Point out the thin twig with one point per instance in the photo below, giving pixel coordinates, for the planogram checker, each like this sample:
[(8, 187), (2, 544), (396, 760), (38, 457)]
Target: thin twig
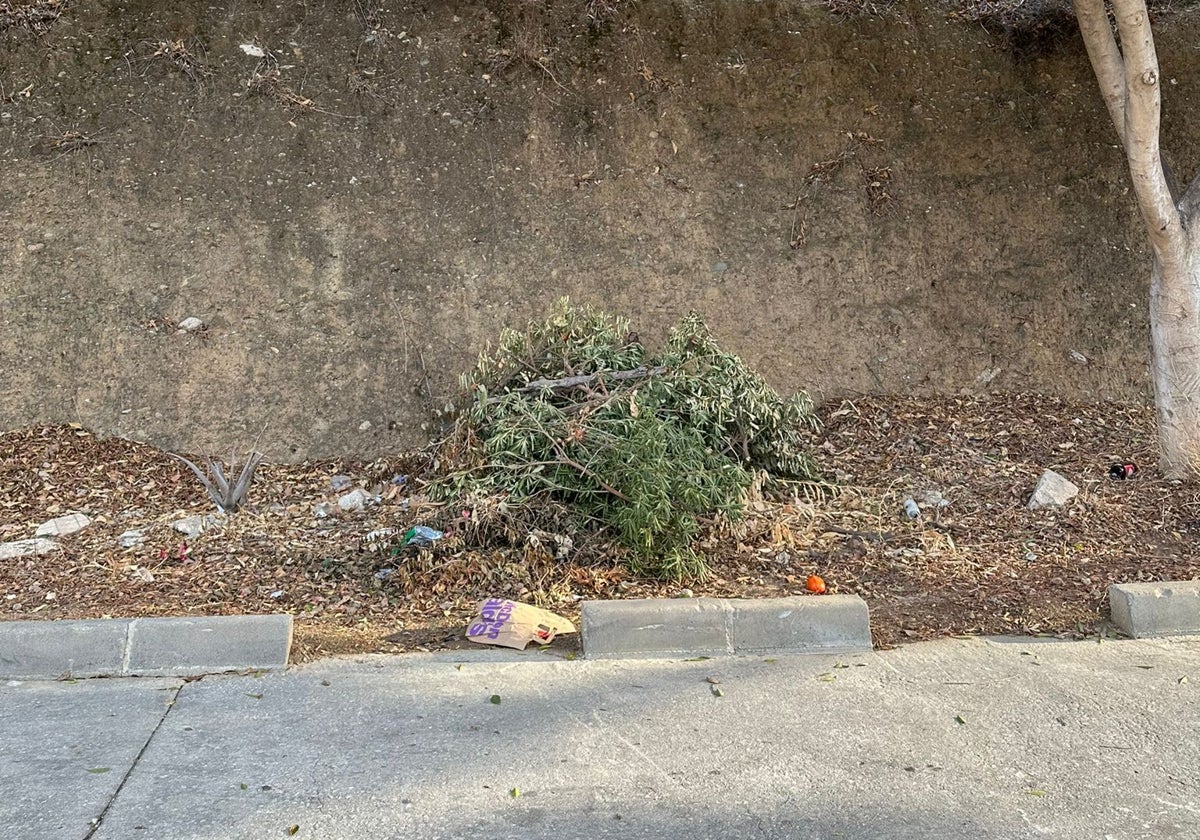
[(575, 381), (874, 536)]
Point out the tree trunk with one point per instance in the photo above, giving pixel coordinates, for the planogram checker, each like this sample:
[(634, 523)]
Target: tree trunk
[(1175, 360), (1130, 84)]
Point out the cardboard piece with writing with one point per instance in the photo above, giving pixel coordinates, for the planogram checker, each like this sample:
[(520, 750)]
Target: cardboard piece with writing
[(513, 624)]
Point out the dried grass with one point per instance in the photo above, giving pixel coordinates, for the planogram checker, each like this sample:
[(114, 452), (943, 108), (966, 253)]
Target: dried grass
[(266, 80), (35, 17), (187, 57)]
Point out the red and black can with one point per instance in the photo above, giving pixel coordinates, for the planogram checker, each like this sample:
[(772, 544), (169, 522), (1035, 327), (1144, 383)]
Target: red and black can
[(1123, 471)]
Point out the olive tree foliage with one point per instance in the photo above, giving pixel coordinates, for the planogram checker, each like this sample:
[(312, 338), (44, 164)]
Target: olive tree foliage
[(1126, 66)]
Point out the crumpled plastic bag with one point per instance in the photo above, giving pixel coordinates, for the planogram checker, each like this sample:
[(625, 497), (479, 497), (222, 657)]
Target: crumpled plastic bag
[(513, 624)]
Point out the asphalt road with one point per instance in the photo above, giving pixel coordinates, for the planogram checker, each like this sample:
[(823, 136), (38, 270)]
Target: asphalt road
[(963, 739)]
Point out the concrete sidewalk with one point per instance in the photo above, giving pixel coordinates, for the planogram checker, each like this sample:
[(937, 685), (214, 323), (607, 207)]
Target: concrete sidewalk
[(955, 739)]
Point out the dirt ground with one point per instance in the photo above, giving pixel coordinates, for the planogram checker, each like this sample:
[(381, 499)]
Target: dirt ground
[(980, 563), (354, 197)]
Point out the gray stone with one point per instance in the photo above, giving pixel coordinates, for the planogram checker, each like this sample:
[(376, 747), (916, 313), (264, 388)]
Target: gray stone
[(712, 626), (62, 525), (354, 500), (1156, 609), (930, 498), (131, 538), (207, 645), (193, 526), (191, 324), (720, 267), (1052, 490), (141, 575), (339, 482), (21, 548), (47, 649), (987, 376)]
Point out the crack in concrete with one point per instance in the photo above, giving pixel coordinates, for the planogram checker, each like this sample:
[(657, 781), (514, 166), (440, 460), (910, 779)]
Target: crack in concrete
[(99, 820)]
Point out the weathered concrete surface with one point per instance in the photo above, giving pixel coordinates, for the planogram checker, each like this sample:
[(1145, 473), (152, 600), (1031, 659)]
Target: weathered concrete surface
[(716, 626), (48, 649), (208, 645), (65, 748), (1156, 609), (989, 740), (143, 646)]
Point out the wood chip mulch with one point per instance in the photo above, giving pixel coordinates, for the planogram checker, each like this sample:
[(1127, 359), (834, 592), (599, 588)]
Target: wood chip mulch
[(979, 562)]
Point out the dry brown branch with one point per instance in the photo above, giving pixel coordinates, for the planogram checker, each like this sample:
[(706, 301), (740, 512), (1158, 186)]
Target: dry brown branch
[(179, 55), (602, 11), (862, 8), (24, 93), (1023, 28), (576, 381), (798, 236), (267, 81), (34, 17), (72, 141), (822, 169), (877, 180)]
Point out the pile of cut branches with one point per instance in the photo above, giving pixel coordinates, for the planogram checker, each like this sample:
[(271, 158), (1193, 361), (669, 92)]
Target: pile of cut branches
[(573, 415)]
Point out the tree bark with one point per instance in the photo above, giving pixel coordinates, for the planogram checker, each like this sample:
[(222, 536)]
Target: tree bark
[(1130, 83), (1175, 362)]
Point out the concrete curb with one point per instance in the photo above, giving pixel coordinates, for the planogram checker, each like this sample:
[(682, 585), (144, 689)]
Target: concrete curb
[(146, 647), (720, 626), (1156, 609)]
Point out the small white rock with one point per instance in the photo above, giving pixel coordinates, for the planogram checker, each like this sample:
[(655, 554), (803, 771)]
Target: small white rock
[(1052, 490), (130, 538), (22, 548), (253, 50), (191, 324), (194, 525), (354, 500), (141, 575), (1078, 358), (987, 376), (62, 525)]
